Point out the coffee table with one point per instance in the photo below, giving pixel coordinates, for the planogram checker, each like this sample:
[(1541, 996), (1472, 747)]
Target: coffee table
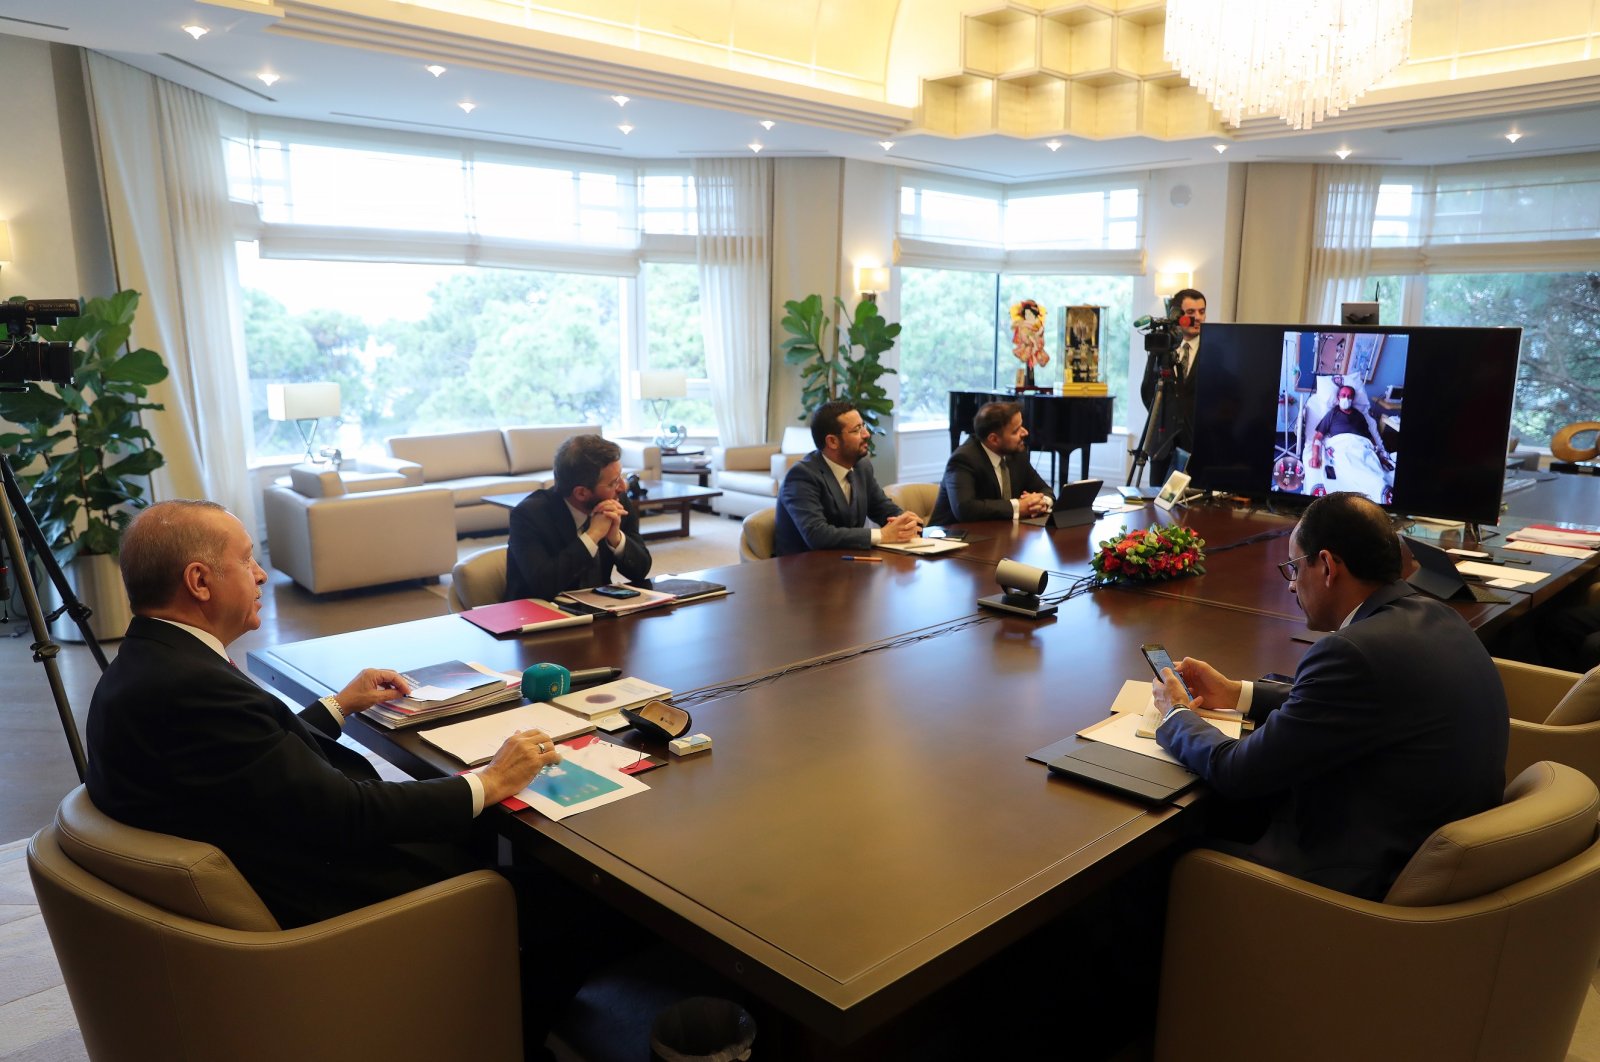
[(662, 498)]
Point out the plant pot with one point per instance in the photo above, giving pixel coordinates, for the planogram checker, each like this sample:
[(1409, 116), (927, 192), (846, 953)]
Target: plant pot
[(97, 580)]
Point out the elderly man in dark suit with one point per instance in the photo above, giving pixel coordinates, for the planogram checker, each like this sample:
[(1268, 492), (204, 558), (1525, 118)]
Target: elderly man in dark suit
[(827, 496), (570, 536), (183, 742), (989, 477), (1395, 724)]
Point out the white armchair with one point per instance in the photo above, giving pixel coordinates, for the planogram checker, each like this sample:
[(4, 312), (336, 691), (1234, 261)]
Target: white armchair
[(749, 476)]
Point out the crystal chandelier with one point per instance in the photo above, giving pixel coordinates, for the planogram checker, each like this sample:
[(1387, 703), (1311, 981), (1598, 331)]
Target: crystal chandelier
[(1302, 60)]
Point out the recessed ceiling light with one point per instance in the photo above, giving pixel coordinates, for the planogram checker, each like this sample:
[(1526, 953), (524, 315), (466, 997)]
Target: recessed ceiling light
[(1220, 148), (268, 78), (196, 31), (1343, 153), (754, 145), (626, 128), (434, 68), (468, 106), (621, 101), (1053, 145), (767, 125), (1513, 136), (886, 144)]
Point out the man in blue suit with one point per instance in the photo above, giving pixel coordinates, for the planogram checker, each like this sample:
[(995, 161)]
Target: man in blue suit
[(827, 497), (1395, 724)]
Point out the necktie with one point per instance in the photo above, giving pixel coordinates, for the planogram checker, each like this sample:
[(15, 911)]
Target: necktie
[(1187, 355), (849, 487), (1005, 480)]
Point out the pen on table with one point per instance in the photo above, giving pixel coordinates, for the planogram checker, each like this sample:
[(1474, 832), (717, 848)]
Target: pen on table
[(595, 674), (864, 560)]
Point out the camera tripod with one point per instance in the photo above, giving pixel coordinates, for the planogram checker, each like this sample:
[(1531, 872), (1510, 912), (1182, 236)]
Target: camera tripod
[(1165, 365), (14, 511)]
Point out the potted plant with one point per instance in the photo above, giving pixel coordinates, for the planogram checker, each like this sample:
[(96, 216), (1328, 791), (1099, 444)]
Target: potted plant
[(826, 372), (83, 458)]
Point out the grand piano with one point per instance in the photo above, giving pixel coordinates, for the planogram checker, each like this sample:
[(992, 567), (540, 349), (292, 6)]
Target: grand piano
[(1058, 424)]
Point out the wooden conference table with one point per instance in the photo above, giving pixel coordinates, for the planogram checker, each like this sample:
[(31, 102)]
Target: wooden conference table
[(867, 828)]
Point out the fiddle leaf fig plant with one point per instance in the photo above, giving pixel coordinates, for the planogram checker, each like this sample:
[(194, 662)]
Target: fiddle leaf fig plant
[(828, 372), (83, 458)]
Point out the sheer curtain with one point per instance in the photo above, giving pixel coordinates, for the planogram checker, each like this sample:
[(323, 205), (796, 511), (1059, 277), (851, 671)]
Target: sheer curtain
[(1341, 244), (733, 249), (167, 200)]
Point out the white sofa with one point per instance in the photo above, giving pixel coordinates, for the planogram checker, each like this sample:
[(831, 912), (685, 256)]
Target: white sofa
[(749, 476), (473, 465)]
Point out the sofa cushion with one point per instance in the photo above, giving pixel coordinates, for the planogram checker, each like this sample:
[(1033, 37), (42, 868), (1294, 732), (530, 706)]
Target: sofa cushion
[(361, 482), (454, 455), (470, 490), (533, 449), (1581, 704), (760, 483)]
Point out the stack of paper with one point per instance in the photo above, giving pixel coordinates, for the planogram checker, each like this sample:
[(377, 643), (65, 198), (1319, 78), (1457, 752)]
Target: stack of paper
[(609, 697), (1560, 540), (617, 605), (924, 547), (446, 689), (476, 741)]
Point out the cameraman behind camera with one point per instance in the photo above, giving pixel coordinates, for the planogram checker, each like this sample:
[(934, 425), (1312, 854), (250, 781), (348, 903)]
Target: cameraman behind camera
[(1177, 417)]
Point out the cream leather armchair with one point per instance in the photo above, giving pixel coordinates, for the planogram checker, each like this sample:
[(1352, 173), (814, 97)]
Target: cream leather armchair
[(757, 535), (918, 498), (478, 580), (1483, 949), (168, 953), (749, 476), (1555, 715)]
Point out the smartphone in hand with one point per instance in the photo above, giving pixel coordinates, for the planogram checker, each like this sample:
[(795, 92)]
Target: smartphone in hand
[(1157, 657), (621, 593)]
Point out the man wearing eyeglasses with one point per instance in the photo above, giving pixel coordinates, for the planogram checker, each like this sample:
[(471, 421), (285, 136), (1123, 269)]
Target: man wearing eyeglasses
[(571, 535), (1395, 724), (828, 496)]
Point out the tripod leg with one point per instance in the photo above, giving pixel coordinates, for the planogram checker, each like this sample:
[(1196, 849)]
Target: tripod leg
[(41, 549)]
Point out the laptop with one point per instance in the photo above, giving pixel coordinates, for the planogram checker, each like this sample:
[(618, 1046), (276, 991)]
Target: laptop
[(1141, 777), (1438, 576)]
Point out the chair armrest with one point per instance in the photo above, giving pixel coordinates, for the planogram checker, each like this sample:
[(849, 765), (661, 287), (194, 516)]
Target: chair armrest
[(781, 463), (1532, 692), (743, 458), (409, 469), (641, 457), (1576, 746), (1236, 928)]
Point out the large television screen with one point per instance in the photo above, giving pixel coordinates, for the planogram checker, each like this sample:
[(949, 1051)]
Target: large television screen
[(1417, 419)]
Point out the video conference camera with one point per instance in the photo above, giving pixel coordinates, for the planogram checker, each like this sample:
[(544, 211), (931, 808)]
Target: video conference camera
[(24, 360)]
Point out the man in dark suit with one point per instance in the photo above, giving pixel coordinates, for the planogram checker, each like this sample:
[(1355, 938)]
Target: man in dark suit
[(1395, 724), (182, 742), (570, 536), (989, 477), (827, 496), (1175, 426)]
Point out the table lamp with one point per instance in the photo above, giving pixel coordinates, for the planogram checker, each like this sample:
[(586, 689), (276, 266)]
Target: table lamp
[(305, 404), (656, 386)]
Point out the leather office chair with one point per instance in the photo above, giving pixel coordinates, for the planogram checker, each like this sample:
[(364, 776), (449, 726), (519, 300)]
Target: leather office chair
[(1483, 949), (478, 580), (916, 498), (168, 953), (756, 535), (1555, 715)]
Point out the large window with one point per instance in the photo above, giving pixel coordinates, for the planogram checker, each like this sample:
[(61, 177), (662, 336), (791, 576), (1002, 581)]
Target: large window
[(673, 339)]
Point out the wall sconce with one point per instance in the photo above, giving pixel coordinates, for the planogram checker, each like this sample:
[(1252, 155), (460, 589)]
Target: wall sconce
[(870, 280), (305, 404), (1170, 282), (5, 243), (657, 386)]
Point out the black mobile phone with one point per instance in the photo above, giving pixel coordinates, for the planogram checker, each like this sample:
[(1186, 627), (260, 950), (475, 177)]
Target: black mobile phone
[(1156, 655), (620, 592)]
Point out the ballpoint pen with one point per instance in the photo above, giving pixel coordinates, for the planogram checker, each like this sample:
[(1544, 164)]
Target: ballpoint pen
[(864, 560)]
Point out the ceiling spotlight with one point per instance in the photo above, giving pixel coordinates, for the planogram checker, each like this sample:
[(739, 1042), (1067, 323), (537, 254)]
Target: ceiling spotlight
[(754, 145), (434, 68), (467, 106), (268, 78), (1220, 148), (767, 125), (195, 31), (1513, 136), (626, 128), (1053, 145), (621, 101), (886, 144), (1343, 153)]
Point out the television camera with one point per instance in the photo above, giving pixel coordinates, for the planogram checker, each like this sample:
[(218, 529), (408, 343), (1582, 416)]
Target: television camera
[(25, 360)]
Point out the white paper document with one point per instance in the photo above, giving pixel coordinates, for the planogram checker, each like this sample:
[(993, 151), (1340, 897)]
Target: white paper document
[(1524, 546), (477, 740), (1500, 575), (585, 779), (1128, 716), (926, 547), (1556, 536)]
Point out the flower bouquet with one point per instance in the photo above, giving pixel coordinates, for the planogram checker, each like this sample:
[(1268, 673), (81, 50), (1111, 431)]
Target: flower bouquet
[(1151, 555)]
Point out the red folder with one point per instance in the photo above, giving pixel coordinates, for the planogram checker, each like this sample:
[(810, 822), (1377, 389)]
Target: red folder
[(522, 617)]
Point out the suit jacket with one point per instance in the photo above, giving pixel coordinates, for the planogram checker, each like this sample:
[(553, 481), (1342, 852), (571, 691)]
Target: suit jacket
[(182, 742), (1394, 726), (971, 488), (1176, 421), (545, 557), (812, 512)]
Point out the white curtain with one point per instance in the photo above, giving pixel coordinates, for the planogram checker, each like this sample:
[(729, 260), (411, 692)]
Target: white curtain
[(733, 249), (167, 200), (1341, 243)]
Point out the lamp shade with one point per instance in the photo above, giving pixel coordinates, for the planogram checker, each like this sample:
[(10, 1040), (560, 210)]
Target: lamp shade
[(5, 242), (662, 383), (872, 278), (302, 401)]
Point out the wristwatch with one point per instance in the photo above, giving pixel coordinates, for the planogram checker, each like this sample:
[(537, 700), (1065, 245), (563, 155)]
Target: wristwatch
[(332, 703)]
